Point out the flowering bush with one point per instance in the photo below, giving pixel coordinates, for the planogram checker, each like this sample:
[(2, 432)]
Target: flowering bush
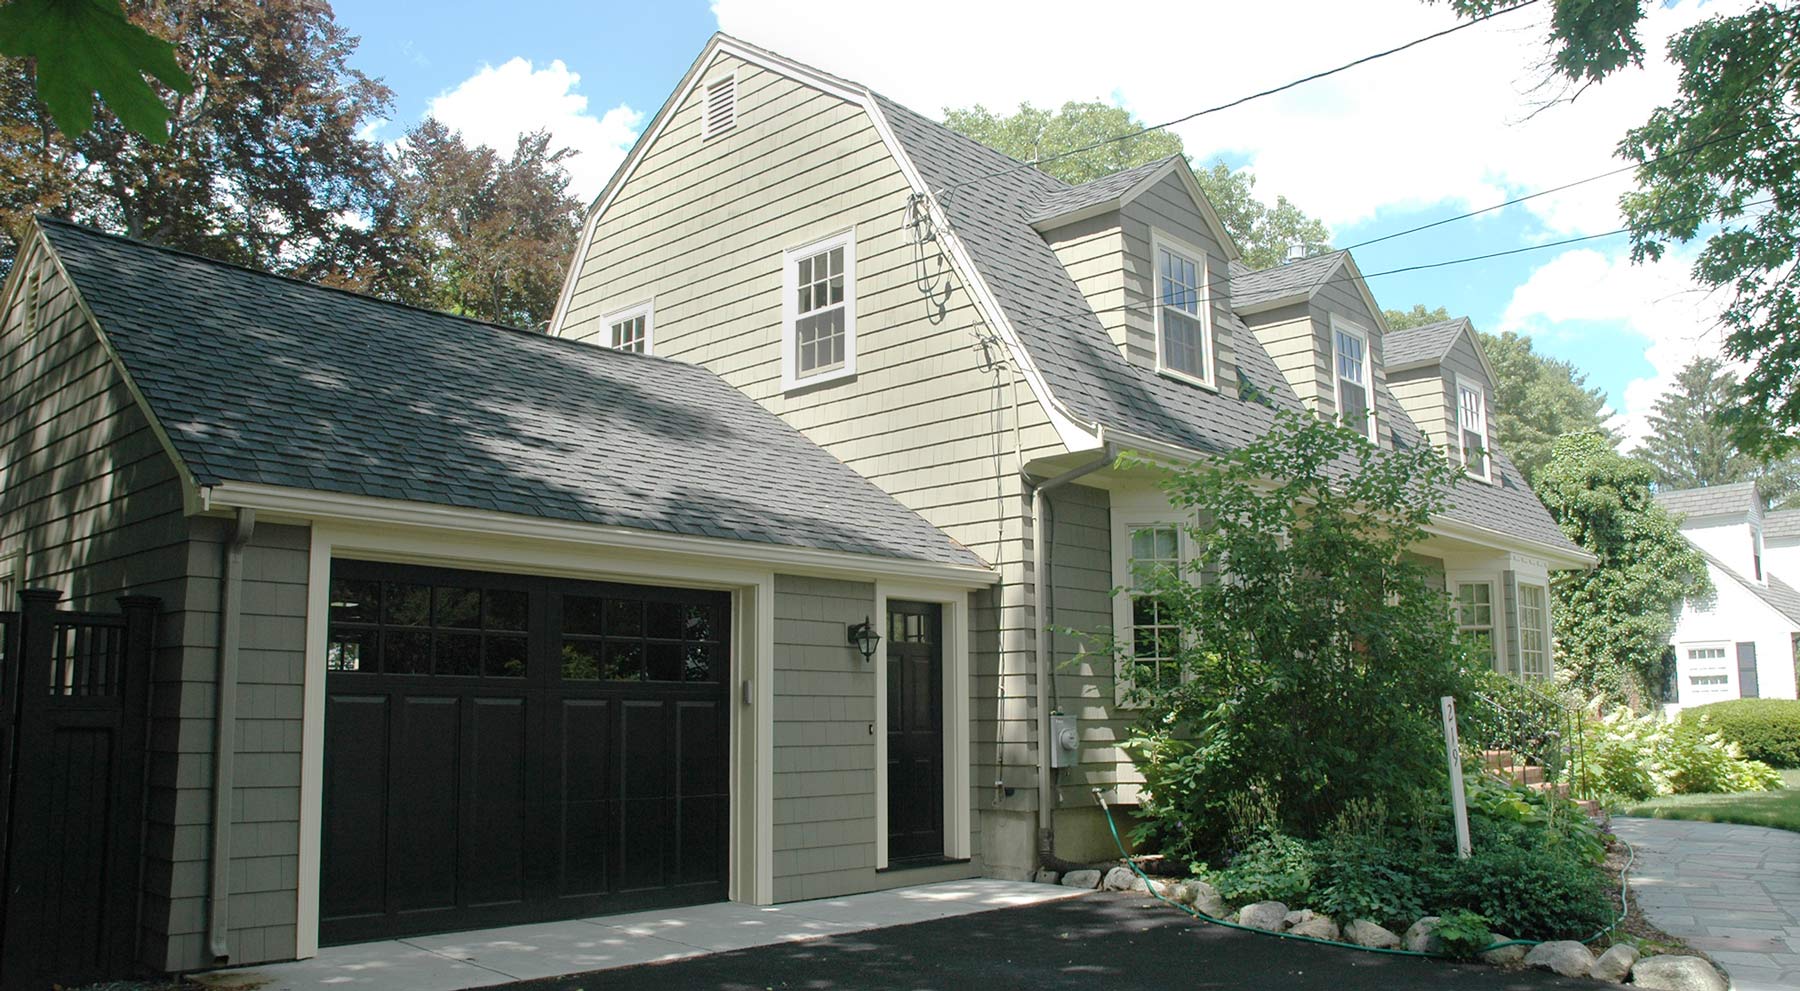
[(1638, 757)]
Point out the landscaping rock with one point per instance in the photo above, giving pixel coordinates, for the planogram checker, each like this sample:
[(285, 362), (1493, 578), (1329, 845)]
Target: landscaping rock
[(1298, 916), (1204, 897), (1562, 956), (1421, 936), (1264, 915), (1047, 877), (1124, 879), (1318, 927), (1672, 973), (1081, 879), (1615, 963), (1362, 932), (1505, 956)]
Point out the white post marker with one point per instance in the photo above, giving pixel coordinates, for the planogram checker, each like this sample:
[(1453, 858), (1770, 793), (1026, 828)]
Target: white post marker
[(1459, 802)]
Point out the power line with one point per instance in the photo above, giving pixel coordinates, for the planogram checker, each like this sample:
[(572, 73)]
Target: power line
[(1553, 189), (1240, 101)]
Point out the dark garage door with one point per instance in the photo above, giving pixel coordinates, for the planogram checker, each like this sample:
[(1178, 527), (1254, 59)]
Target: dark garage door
[(504, 749)]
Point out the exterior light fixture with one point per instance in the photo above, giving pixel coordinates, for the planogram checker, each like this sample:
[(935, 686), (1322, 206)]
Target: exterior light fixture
[(864, 638)]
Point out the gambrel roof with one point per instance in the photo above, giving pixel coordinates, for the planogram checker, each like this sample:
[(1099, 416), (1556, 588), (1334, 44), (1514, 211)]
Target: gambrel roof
[(259, 379)]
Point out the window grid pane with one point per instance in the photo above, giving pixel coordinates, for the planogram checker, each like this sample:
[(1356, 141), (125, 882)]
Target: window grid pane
[(1183, 327), (1155, 636), (819, 344), (628, 334), (1534, 653), (1475, 619), (1472, 419)]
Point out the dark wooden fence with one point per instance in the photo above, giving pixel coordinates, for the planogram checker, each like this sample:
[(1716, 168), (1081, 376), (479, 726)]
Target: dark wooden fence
[(74, 719)]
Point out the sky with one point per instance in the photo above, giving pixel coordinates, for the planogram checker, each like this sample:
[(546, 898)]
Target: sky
[(1452, 125)]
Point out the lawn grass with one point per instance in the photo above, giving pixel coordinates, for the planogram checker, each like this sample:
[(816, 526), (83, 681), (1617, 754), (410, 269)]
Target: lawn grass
[(1779, 808)]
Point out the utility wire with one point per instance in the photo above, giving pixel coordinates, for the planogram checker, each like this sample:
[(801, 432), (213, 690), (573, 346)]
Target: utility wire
[(1553, 189), (1240, 101)]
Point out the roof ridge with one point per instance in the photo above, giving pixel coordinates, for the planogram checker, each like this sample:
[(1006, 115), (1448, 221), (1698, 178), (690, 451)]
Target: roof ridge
[(342, 291), (1433, 325)]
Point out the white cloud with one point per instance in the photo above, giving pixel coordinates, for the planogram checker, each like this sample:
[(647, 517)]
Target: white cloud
[(1447, 123), (499, 103), (1656, 304)]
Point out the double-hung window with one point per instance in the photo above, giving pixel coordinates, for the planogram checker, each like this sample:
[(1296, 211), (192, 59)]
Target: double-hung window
[(1354, 377), (1534, 633), (819, 312), (1471, 421), (1475, 619), (1183, 338), (631, 329), (1154, 635)]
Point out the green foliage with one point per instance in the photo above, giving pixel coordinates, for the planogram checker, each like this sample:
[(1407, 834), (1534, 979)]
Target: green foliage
[(1526, 890), (1464, 933), (1613, 622), (1531, 815), (1536, 400), (1692, 444), (1364, 872), (1767, 730), (1263, 233), (1589, 39), (1309, 638), (1418, 316), (80, 47), (1275, 867), (1634, 758)]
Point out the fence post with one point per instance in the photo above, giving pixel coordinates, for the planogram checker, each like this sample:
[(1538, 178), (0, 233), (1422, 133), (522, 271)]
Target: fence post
[(37, 639), (1459, 803), (132, 786)]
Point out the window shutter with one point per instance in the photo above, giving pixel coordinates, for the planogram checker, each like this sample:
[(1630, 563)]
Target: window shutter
[(1746, 658), (721, 107)]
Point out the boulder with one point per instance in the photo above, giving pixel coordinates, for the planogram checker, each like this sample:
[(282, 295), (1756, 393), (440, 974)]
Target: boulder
[(1124, 879), (1317, 927), (1505, 956), (1298, 916), (1204, 897), (1046, 876), (1615, 963), (1562, 956), (1264, 915), (1421, 936), (1081, 879), (1362, 932), (1672, 973)]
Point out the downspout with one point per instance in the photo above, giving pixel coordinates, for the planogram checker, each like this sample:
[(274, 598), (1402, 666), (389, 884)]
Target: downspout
[(1043, 614), (231, 589)]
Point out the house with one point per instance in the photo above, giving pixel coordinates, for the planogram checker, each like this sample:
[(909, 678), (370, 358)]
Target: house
[(1743, 640), (464, 626)]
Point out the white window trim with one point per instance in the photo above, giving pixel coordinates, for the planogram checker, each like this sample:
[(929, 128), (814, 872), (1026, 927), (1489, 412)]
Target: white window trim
[(1159, 242), (707, 130), (10, 580), (1337, 324), (1458, 383), (1124, 525), (1549, 631), (646, 309), (1684, 671), (1496, 611), (790, 285)]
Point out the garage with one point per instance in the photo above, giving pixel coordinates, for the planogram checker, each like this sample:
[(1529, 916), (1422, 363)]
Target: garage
[(503, 749)]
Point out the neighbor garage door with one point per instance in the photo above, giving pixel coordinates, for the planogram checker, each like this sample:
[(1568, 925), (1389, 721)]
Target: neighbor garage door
[(502, 749)]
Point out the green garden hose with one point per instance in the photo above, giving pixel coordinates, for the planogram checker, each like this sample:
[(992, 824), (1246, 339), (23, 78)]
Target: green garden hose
[(1155, 893)]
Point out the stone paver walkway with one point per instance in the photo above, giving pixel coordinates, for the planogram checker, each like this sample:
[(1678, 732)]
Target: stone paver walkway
[(1733, 891)]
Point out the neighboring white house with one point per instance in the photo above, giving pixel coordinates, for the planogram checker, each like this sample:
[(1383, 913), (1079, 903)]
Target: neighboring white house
[(1740, 642)]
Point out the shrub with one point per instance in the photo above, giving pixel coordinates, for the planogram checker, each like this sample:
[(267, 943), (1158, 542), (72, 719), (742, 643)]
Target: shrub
[(1524, 889), (1464, 933), (1637, 757), (1767, 729), (1273, 868)]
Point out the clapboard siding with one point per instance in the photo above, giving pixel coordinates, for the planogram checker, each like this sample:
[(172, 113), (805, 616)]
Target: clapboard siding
[(1093, 252), (700, 227), (1425, 395), (1168, 208)]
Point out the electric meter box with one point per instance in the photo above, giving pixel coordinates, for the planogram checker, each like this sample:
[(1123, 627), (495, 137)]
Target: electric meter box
[(1065, 742)]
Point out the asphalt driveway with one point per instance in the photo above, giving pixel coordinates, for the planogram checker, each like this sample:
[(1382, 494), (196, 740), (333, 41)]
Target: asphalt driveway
[(1101, 942)]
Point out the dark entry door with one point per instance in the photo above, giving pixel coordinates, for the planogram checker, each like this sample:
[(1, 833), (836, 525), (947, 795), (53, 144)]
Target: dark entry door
[(915, 731), (504, 749)]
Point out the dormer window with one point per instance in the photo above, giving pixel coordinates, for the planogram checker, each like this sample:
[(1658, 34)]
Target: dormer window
[(1471, 421), (630, 329), (1354, 378), (1183, 334)]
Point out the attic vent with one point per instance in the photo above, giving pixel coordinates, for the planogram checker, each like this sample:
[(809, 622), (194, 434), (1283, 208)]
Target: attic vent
[(721, 107)]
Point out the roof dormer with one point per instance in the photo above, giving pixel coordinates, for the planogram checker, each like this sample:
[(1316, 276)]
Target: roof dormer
[(1440, 375), (1725, 522)]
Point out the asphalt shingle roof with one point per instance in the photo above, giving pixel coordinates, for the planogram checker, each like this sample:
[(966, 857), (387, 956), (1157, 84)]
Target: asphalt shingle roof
[(1777, 594), (1103, 190), (1736, 499), (1785, 523), (1301, 276), (992, 215), (1422, 344), (269, 380)]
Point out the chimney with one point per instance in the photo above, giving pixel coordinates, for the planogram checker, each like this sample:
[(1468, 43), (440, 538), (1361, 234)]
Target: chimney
[(1295, 252)]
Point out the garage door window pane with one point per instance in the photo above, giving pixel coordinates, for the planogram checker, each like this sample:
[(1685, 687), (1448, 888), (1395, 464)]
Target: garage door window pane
[(505, 609), (355, 602), (351, 650), (459, 653), (504, 657), (699, 662), (456, 608), (405, 652), (581, 614), (700, 623), (663, 620), (581, 660), (624, 618), (406, 605), (624, 661), (663, 661)]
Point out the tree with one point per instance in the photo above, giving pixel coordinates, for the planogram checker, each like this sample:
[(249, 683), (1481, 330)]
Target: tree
[(1300, 638), (1263, 233), (78, 47), (1418, 316), (1692, 444), (264, 163), (1613, 622), (1538, 399), (473, 233), (1726, 146)]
